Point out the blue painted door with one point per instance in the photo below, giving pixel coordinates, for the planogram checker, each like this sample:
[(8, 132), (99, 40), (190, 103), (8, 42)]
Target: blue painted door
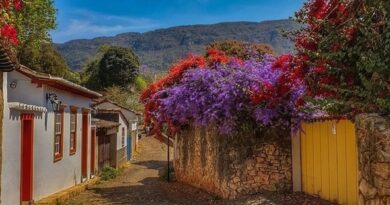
[(128, 147)]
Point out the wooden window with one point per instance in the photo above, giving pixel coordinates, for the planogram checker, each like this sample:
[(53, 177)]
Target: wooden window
[(58, 134), (73, 131), (123, 136)]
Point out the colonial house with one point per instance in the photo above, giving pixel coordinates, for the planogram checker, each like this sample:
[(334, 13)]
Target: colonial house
[(132, 117), (106, 132), (112, 129), (48, 143)]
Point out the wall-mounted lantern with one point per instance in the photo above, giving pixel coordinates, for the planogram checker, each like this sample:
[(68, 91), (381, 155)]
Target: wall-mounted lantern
[(56, 104), (13, 84), (94, 111)]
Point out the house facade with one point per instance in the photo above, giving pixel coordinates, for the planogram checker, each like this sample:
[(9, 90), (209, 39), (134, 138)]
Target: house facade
[(48, 142), (131, 116), (106, 133), (112, 129)]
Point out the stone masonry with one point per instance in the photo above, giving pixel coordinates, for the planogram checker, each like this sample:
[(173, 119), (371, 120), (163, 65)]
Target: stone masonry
[(373, 138), (230, 166)]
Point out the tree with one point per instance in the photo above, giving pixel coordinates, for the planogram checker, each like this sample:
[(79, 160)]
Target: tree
[(89, 75), (119, 66), (125, 98), (33, 22), (344, 52), (90, 71), (240, 49)]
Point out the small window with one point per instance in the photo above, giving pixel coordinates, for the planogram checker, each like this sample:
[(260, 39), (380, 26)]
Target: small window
[(58, 134), (123, 136), (73, 131)]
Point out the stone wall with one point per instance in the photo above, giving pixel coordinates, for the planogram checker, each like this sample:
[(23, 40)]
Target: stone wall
[(229, 166), (373, 138)]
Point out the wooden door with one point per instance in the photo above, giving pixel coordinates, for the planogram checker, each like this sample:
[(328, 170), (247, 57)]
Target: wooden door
[(93, 149), (84, 146), (27, 154), (329, 161), (103, 151)]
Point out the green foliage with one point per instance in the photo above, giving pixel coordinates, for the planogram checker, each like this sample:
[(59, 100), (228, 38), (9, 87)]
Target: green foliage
[(118, 66), (349, 49), (240, 49), (109, 173), (46, 59), (36, 51), (112, 66), (114, 72), (125, 97), (34, 21), (140, 83), (161, 48), (90, 77)]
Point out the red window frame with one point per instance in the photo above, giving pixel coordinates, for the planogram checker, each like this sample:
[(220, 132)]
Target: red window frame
[(73, 131), (58, 134)]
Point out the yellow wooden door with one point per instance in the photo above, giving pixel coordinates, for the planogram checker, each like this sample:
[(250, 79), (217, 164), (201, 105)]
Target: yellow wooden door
[(329, 160)]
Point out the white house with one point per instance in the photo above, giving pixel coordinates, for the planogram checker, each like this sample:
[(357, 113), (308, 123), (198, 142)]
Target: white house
[(131, 116), (117, 139), (48, 143)]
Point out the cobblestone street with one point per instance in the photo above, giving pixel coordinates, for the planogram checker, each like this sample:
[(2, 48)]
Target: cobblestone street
[(141, 183)]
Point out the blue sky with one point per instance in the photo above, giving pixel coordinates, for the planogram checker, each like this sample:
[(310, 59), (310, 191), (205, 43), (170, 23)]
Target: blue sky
[(93, 18)]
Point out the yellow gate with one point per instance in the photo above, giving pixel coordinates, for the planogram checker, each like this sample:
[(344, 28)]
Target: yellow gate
[(329, 160)]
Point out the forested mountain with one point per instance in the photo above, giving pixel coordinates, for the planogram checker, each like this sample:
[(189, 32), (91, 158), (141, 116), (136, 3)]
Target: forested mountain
[(160, 48)]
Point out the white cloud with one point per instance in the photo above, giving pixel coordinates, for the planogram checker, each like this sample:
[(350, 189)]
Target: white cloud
[(86, 24)]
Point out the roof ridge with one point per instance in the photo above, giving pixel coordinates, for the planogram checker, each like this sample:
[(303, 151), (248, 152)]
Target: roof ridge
[(54, 79)]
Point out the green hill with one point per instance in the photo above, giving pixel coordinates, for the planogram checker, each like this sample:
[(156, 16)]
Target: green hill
[(160, 48)]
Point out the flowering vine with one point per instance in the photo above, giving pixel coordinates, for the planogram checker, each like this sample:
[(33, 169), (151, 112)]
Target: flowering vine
[(227, 92), (344, 52), (8, 31)]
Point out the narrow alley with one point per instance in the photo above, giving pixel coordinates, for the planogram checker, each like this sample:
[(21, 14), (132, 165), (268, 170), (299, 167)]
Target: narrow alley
[(142, 183)]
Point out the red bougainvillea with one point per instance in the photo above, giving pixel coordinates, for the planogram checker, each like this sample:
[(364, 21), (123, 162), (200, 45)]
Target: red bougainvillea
[(344, 50), (8, 32), (228, 93)]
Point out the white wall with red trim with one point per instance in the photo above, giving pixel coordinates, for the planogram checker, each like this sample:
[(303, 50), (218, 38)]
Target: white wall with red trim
[(49, 176)]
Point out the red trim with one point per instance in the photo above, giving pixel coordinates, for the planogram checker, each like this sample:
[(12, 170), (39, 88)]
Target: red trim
[(93, 147), (73, 111), (58, 157), (27, 157), (57, 84), (84, 146)]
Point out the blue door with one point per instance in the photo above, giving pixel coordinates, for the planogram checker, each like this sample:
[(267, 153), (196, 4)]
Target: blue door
[(128, 147)]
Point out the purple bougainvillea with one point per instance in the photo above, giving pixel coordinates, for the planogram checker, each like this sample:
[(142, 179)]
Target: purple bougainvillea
[(227, 95)]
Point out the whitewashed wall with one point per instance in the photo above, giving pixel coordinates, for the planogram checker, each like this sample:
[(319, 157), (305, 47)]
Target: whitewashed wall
[(49, 176), (122, 123)]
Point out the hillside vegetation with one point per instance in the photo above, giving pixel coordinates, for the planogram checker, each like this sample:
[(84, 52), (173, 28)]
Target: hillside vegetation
[(160, 48)]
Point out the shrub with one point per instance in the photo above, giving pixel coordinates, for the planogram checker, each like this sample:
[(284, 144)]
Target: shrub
[(109, 173)]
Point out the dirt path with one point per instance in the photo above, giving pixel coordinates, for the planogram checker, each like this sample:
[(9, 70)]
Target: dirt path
[(141, 183)]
